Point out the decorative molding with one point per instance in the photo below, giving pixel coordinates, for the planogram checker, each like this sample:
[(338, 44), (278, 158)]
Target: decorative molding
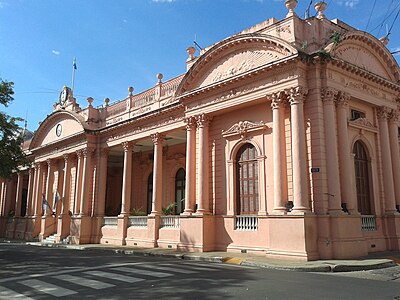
[(363, 123), (242, 128)]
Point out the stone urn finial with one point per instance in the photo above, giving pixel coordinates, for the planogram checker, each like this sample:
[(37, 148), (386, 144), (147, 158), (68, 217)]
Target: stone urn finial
[(107, 101), (291, 5), (159, 78), (130, 90), (320, 7), (191, 51), (90, 101), (384, 40)]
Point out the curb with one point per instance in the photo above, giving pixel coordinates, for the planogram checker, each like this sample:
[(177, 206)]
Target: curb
[(319, 267)]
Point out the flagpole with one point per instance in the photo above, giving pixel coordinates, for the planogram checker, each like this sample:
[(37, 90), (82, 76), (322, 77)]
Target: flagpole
[(73, 73)]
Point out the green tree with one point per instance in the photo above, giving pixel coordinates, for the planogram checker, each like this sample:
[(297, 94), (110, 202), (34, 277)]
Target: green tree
[(11, 137)]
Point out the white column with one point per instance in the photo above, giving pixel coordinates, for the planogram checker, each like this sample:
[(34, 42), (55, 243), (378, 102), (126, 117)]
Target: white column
[(387, 170), (49, 185), (29, 196), (158, 139), (86, 180), (279, 151), (3, 197), (190, 184), (394, 150), (331, 150), (203, 204), (297, 97), (39, 189), (78, 180), (65, 197), (102, 185), (127, 179), (18, 194), (345, 160)]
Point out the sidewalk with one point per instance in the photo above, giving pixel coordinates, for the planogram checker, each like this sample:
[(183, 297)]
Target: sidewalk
[(374, 261)]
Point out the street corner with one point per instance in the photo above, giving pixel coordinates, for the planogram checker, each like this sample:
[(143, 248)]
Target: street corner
[(233, 260)]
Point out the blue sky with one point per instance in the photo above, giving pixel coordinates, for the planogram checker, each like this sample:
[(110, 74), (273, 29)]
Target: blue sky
[(122, 43)]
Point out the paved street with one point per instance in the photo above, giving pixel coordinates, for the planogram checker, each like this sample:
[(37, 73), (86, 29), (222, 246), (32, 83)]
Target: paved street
[(28, 272)]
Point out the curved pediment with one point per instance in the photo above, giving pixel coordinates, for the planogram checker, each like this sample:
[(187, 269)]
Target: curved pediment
[(56, 127), (367, 52), (233, 57)]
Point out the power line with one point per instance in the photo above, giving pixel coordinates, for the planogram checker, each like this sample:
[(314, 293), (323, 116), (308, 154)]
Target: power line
[(370, 15)]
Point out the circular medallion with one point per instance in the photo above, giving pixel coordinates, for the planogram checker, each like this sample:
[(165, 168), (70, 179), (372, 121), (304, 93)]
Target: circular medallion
[(58, 130)]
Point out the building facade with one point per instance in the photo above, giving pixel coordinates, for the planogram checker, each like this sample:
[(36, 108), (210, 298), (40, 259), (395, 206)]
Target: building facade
[(282, 139)]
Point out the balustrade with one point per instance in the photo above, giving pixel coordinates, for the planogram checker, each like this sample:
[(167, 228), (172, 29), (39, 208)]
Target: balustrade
[(246, 223), (368, 223)]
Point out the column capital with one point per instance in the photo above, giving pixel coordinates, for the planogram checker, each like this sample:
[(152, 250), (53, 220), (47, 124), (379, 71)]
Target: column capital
[(383, 112), (66, 157), (127, 146), (203, 120), (394, 116), (157, 138), (297, 95), (50, 162), (87, 151), (190, 123), (343, 98), (328, 95), (278, 99), (78, 153)]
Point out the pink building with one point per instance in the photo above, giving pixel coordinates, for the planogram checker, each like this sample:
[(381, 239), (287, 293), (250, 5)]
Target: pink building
[(282, 139)]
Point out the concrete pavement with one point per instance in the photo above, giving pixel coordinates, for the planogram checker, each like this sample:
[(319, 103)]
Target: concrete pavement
[(375, 261)]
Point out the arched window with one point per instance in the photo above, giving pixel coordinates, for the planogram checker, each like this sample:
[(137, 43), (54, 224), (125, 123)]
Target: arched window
[(180, 190), (149, 192), (361, 166), (247, 180)]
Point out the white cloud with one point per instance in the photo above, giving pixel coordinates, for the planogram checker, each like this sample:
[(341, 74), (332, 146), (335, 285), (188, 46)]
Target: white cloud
[(349, 3), (163, 1), (55, 52), (396, 50)]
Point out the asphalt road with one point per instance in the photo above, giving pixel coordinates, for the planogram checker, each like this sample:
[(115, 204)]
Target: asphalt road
[(29, 272)]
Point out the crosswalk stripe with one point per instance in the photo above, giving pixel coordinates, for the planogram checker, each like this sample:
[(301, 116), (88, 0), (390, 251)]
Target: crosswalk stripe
[(7, 294), (47, 288), (114, 276), (143, 272), (199, 268), (91, 283), (176, 270)]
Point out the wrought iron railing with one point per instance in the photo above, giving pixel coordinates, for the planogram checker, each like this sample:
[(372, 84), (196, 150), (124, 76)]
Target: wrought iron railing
[(246, 223), (368, 223), (137, 221), (170, 222)]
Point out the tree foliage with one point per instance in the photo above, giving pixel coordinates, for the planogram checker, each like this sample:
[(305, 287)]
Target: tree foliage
[(11, 136)]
